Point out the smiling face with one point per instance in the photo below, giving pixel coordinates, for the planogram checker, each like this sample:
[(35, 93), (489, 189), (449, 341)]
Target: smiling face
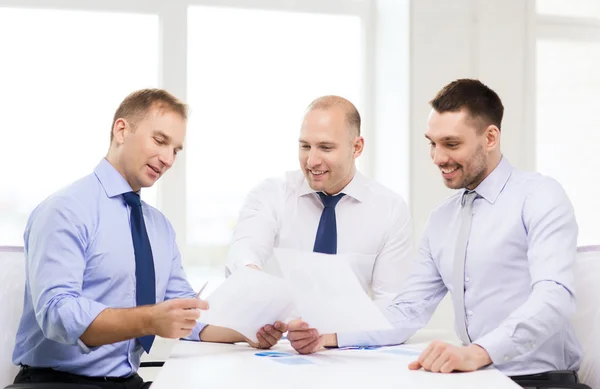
[(328, 147), (464, 150), (144, 152)]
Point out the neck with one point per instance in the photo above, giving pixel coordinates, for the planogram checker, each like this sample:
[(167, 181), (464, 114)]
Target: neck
[(492, 164), (343, 183), (114, 160)]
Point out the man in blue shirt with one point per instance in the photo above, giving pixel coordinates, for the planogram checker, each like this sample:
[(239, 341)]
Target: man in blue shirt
[(104, 273), (504, 247)]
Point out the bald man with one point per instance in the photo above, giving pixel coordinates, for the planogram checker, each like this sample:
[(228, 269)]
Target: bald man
[(328, 206)]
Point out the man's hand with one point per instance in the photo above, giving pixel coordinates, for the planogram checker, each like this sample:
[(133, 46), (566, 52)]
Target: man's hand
[(307, 340), (175, 318), (269, 335), (253, 266), (440, 357)]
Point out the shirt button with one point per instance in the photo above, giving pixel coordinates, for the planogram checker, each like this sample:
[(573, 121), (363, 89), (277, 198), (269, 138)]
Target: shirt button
[(506, 358), (470, 313), (467, 279)]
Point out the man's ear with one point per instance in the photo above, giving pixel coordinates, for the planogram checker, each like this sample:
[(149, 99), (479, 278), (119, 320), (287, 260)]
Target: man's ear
[(492, 136), (118, 131), (358, 146)]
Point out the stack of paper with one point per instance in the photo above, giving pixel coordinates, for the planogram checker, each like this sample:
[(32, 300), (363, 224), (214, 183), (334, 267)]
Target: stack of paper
[(248, 300), (327, 293), (321, 288)]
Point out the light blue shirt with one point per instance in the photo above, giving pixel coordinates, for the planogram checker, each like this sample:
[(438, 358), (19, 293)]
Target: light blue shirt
[(79, 261), (519, 281)]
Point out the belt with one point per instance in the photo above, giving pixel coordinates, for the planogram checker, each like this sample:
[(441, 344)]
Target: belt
[(97, 379), (557, 377)]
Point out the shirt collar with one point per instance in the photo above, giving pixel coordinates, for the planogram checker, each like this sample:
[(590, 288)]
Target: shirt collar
[(112, 181), (493, 184), (356, 188)]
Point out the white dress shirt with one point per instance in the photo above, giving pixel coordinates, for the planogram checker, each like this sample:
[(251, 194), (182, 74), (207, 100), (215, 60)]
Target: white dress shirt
[(519, 282), (373, 224)]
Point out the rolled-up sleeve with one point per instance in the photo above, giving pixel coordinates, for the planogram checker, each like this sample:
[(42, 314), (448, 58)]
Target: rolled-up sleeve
[(56, 246)]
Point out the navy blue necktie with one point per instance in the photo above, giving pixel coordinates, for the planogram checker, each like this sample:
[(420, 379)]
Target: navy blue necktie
[(145, 284), (326, 239)]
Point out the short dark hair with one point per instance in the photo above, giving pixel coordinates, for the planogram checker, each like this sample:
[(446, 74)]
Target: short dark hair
[(325, 102), (138, 104), (481, 102)]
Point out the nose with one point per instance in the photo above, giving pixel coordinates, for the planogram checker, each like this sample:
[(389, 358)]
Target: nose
[(167, 158), (439, 157), (313, 159)]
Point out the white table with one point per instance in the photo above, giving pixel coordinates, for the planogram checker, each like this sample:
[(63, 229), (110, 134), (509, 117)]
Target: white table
[(209, 365)]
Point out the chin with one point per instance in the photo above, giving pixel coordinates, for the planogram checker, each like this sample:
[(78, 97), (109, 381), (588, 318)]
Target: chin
[(147, 183), (452, 185), (318, 186)]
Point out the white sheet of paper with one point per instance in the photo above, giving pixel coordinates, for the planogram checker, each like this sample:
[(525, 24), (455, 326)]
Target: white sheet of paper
[(327, 293), (247, 300)]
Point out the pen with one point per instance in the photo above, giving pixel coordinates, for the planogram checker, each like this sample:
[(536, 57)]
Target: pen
[(201, 289)]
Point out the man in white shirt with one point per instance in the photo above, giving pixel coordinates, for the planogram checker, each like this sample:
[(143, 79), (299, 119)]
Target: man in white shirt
[(365, 219)]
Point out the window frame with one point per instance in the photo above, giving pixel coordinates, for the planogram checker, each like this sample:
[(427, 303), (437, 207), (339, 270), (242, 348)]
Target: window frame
[(173, 19)]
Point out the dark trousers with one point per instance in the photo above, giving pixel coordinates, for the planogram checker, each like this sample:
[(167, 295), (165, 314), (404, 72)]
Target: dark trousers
[(44, 375), (550, 379)]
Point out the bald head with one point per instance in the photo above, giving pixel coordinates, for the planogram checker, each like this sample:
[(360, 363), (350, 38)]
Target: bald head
[(350, 111)]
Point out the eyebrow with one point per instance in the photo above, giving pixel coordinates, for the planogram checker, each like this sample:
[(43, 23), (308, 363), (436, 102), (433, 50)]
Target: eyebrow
[(326, 143), (167, 138), (446, 138)]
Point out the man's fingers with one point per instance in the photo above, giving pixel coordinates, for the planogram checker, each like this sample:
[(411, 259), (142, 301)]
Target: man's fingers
[(190, 303), (297, 325), (425, 353), (440, 360), (447, 367), (416, 365), (431, 353), (274, 332), (182, 333), (303, 343), (309, 348), (189, 324), (190, 314), (270, 339), (299, 335), (280, 326), (262, 343), (203, 304), (430, 360)]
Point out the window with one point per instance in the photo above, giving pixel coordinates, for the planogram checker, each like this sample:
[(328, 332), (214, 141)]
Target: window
[(251, 75), (63, 74), (568, 97), (569, 8)]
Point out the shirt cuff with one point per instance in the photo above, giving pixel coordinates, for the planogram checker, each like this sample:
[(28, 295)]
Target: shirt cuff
[(77, 315), (195, 335), (373, 338), (499, 346), (350, 339), (233, 267)]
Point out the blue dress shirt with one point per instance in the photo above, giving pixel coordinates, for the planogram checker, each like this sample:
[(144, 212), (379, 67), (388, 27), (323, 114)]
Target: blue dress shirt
[(79, 261), (519, 282)]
